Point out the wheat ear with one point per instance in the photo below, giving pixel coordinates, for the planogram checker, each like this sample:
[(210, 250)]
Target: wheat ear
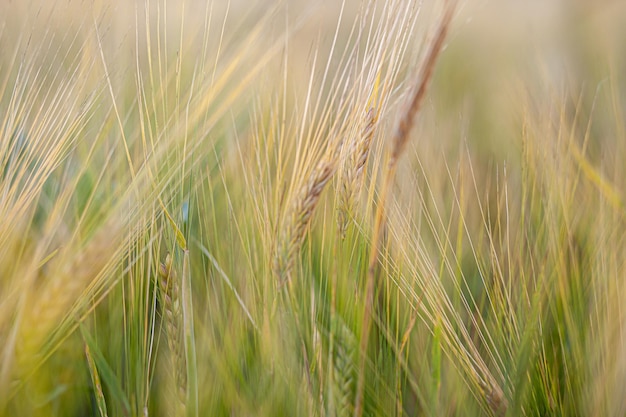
[(298, 217), (352, 174), (343, 367), (173, 317)]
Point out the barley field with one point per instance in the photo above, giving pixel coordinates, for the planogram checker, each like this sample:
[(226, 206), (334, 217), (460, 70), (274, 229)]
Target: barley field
[(312, 208)]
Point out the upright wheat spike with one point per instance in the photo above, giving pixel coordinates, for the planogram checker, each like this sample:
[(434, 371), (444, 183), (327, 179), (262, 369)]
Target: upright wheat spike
[(353, 173), (299, 216), (400, 140), (173, 317), (343, 367)]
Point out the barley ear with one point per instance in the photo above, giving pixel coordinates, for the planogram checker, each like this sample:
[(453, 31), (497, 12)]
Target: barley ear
[(172, 315), (352, 174), (344, 370), (298, 217)]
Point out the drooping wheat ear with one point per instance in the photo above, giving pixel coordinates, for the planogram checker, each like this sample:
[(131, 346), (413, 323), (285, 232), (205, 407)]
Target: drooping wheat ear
[(73, 272), (169, 287), (400, 139), (352, 174), (298, 216)]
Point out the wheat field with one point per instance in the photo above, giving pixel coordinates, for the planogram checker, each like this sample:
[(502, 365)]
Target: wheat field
[(325, 208)]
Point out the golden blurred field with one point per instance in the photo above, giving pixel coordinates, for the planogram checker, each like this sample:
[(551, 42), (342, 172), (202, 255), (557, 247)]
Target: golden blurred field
[(320, 208)]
